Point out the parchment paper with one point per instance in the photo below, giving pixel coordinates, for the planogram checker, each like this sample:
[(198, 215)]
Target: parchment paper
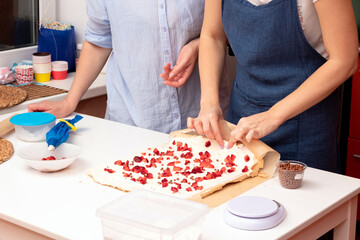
[(267, 159)]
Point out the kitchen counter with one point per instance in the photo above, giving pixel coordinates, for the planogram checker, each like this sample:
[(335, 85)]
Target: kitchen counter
[(96, 89), (62, 205)]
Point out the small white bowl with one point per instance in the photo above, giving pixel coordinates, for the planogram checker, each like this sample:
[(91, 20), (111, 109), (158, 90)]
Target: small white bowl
[(33, 154)]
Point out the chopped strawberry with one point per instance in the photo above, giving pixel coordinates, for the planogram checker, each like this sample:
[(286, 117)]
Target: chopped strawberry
[(169, 153), (189, 189), (141, 180), (109, 170), (245, 169), (171, 164), (166, 173), (184, 180), (126, 175), (198, 187), (156, 151), (174, 189), (137, 159), (164, 184), (177, 169), (178, 185), (247, 158), (119, 162), (126, 166), (208, 144), (149, 176)]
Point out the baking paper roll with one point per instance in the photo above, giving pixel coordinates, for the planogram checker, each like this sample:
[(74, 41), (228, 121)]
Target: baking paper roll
[(266, 166)]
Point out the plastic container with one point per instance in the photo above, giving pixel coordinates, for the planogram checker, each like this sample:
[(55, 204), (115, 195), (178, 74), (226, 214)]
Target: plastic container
[(42, 77), (24, 74), (34, 153), (291, 173), (41, 57), (59, 70), (33, 126), (147, 215)]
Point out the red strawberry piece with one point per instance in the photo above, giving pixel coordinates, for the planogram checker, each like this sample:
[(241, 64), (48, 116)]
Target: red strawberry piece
[(109, 170), (223, 169), (187, 162), (232, 169), (198, 187), (197, 170), (247, 158), (119, 162), (141, 180), (206, 165), (179, 144), (166, 173), (169, 153), (177, 169), (149, 176), (164, 180), (164, 184), (126, 175), (184, 180), (156, 151), (245, 169), (43, 159), (187, 168), (174, 189), (194, 184), (174, 142), (189, 189), (208, 144), (126, 166), (199, 179), (208, 176), (137, 159), (178, 185), (133, 179), (171, 164), (50, 158)]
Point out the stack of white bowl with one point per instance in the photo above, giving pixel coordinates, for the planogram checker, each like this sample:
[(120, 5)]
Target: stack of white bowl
[(42, 66)]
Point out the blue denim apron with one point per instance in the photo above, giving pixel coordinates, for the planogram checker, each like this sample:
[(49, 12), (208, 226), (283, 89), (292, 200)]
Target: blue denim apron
[(273, 59)]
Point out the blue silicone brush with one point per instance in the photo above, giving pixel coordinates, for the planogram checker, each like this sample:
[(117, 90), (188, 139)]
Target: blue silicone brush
[(60, 132)]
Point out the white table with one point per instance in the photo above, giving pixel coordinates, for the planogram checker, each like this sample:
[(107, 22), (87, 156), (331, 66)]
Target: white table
[(62, 205)]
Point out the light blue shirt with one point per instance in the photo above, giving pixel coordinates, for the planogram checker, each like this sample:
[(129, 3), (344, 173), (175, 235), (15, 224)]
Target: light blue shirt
[(144, 36)]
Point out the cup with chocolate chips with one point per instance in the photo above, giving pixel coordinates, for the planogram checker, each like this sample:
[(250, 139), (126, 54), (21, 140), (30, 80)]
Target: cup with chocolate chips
[(291, 173)]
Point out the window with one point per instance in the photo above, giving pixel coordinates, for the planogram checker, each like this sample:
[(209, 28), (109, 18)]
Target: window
[(19, 23)]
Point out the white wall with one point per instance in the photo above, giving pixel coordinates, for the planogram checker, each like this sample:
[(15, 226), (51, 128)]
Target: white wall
[(73, 12)]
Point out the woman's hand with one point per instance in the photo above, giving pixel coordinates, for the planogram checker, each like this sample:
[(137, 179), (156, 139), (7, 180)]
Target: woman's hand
[(254, 127), (186, 62), (59, 109), (207, 123)]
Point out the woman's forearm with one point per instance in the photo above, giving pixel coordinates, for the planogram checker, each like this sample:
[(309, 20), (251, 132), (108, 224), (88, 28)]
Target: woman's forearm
[(211, 53), (92, 60)]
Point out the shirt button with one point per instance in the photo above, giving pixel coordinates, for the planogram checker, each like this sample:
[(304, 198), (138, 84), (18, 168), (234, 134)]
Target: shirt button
[(164, 29)]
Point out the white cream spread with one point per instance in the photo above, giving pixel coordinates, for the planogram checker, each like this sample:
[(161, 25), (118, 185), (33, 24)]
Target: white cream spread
[(119, 176)]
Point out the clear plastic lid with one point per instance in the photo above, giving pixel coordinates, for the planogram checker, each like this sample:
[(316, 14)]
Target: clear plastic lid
[(153, 211)]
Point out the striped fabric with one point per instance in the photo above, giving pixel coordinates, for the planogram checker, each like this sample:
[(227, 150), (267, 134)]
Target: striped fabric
[(144, 36)]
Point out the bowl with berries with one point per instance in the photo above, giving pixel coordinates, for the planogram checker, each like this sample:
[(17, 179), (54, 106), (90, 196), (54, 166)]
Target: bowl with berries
[(38, 157)]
